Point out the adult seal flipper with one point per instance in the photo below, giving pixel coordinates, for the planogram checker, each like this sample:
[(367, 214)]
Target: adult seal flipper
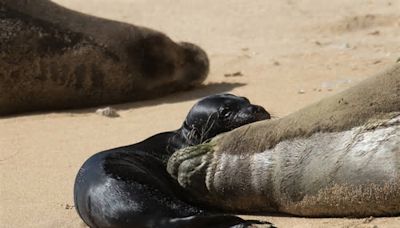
[(55, 58), (337, 157)]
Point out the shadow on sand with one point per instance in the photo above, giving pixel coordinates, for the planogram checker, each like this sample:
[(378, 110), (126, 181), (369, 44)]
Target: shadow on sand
[(193, 94)]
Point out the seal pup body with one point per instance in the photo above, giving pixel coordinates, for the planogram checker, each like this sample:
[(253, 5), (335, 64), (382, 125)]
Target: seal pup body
[(337, 157), (55, 58), (130, 187)]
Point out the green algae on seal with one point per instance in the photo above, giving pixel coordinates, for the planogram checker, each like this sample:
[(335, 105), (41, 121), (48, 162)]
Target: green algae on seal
[(55, 58), (337, 157)]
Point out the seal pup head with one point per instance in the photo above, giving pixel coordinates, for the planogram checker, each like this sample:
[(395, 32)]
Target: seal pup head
[(220, 113)]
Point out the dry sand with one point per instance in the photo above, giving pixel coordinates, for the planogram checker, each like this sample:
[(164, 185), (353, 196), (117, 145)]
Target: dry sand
[(290, 53)]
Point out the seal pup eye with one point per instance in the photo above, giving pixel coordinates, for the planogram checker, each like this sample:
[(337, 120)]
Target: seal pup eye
[(224, 112)]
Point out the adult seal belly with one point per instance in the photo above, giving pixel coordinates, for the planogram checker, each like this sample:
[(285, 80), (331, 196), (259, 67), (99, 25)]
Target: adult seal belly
[(130, 187), (55, 58), (337, 157)]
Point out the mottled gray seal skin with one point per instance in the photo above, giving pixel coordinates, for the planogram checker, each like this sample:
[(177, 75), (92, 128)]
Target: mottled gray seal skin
[(55, 58), (338, 157)]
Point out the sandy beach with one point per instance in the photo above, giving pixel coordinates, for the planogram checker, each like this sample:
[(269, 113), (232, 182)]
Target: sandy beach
[(282, 55)]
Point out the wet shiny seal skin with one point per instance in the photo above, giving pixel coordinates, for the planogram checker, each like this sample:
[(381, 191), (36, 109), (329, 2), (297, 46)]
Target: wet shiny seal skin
[(338, 157), (130, 187), (55, 58)]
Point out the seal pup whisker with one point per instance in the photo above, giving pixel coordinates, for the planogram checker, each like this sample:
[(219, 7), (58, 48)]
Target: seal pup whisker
[(205, 130)]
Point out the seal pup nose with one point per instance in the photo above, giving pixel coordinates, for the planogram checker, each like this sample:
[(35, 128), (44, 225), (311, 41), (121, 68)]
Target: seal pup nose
[(259, 112)]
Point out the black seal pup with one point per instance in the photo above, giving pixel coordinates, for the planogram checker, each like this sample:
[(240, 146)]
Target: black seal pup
[(130, 187)]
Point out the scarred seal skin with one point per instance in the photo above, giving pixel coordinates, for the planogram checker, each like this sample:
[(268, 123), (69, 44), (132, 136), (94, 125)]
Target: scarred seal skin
[(55, 58), (337, 157)]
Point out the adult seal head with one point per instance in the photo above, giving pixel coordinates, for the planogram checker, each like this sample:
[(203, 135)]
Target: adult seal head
[(56, 58), (130, 187), (338, 157)]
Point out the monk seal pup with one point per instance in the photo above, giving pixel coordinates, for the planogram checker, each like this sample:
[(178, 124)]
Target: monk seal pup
[(338, 157), (55, 58), (130, 187)]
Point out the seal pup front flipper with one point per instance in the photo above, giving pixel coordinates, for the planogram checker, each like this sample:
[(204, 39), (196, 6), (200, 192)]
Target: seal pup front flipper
[(212, 221)]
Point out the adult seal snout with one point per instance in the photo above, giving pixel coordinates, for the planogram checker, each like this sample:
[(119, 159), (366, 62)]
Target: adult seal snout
[(56, 58), (130, 187)]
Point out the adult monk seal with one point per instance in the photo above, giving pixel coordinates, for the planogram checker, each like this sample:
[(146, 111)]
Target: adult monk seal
[(129, 186), (338, 157), (55, 58)]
